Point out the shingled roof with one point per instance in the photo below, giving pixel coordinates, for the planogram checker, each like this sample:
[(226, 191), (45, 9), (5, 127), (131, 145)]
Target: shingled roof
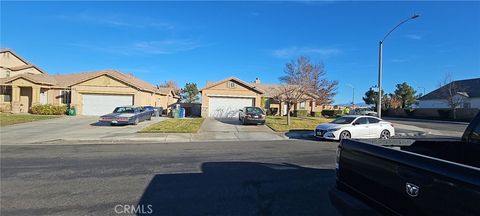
[(470, 86), (67, 80), (35, 78)]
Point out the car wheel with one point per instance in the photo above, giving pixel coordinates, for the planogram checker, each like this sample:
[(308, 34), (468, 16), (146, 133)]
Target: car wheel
[(136, 121), (149, 118), (113, 124), (244, 122), (345, 135), (385, 134)]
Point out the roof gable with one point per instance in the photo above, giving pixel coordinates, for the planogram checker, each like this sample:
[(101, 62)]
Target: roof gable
[(236, 80)]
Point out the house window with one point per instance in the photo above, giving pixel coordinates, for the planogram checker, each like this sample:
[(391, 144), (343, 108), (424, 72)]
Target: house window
[(6, 91), (302, 105), (231, 84), (65, 96)]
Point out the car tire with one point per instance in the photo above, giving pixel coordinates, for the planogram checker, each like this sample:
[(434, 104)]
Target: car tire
[(149, 118), (136, 121), (385, 134), (345, 135), (244, 122), (113, 124)]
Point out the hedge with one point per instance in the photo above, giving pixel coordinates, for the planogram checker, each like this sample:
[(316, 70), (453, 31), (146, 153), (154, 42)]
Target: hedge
[(317, 114), (48, 109), (332, 113), (300, 113)]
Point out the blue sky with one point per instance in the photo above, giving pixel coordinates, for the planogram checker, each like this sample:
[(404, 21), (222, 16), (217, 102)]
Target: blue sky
[(208, 41)]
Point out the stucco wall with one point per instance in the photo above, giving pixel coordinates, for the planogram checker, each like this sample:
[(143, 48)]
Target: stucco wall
[(111, 86), (223, 90), (9, 60)]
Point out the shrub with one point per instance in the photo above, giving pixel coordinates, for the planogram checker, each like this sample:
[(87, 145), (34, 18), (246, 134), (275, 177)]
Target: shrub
[(300, 113), (48, 109), (332, 113), (409, 112), (444, 114), (317, 114)]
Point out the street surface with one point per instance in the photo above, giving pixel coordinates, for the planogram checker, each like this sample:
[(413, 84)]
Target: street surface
[(430, 127), (217, 178)]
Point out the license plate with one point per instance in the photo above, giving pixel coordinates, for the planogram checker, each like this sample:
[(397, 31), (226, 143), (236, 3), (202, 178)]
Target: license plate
[(114, 121)]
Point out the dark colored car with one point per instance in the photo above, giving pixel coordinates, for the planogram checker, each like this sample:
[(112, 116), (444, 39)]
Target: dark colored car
[(410, 177), (127, 115), (153, 109), (252, 115)]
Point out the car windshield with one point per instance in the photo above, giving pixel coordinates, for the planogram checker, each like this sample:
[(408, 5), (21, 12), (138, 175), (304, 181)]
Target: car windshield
[(124, 110), (254, 110), (343, 120)]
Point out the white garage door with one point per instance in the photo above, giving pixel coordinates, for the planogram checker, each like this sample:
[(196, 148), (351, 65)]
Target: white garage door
[(227, 107), (98, 104)]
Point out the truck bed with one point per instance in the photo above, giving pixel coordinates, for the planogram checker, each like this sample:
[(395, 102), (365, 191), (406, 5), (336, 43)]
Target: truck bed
[(446, 171)]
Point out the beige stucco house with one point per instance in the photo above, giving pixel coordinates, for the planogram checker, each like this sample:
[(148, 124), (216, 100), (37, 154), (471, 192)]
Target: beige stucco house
[(23, 85), (224, 98)]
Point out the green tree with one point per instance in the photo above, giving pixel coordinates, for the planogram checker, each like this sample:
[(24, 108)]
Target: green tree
[(406, 94), (189, 93), (371, 97)]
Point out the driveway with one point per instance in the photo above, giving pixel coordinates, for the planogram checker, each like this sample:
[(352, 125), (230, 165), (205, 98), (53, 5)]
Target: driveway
[(66, 128), (231, 128)]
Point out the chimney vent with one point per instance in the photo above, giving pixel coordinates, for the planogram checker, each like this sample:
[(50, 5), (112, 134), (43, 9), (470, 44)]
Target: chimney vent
[(257, 81)]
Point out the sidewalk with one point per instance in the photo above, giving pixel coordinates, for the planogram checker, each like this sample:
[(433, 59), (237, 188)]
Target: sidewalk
[(173, 138)]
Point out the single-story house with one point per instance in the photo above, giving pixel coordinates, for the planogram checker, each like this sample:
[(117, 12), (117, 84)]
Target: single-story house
[(23, 85), (467, 93), (224, 98)]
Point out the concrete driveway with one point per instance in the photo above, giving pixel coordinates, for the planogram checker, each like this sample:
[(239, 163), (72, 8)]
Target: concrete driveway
[(66, 128), (232, 129)]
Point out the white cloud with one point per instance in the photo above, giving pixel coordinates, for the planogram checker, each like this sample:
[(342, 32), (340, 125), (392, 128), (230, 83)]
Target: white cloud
[(157, 47), (296, 51), (414, 36), (166, 46)]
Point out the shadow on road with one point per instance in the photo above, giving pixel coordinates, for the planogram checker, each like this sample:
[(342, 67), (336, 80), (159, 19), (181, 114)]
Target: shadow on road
[(242, 188)]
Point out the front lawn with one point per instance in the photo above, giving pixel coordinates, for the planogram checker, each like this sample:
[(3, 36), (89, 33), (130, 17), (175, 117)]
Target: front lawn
[(10, 119), (279, 123), (186, 125)]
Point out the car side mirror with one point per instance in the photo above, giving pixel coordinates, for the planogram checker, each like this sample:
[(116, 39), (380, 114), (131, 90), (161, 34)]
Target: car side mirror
[(240, 110), (355, 123)]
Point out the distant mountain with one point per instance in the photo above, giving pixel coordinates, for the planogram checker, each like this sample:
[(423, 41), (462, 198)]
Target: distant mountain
[(356, 104)]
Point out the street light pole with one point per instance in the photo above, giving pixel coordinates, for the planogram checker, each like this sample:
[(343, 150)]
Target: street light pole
[(353, 95), (380, 52)]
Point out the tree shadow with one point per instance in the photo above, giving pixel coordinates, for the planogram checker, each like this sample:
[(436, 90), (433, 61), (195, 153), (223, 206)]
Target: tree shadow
[(242, 188)]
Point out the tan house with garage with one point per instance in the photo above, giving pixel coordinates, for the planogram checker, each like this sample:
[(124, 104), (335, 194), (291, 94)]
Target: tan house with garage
[(23, 85), (224, 98)]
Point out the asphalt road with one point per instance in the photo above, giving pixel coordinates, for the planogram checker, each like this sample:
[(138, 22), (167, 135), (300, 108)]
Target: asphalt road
[(455, 129), (219, 178)]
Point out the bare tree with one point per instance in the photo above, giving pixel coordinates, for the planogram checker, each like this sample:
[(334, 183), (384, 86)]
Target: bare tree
[(290, 95), (172, 84), (451, 90), (312, 77), (304, 79)]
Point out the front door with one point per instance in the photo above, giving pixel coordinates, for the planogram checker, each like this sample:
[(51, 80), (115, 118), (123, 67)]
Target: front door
[(25, 99)]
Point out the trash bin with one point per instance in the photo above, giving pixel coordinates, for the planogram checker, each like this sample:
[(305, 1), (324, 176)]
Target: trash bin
[(182, 112), (175, 113), (72, 111)]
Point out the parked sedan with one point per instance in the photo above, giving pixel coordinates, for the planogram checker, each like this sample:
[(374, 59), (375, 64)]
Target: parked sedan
[(252, 115), (127, 115), (355, 126), (152, 109)]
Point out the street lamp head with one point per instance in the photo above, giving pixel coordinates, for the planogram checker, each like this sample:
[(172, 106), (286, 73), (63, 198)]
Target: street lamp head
[(415, 16)]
